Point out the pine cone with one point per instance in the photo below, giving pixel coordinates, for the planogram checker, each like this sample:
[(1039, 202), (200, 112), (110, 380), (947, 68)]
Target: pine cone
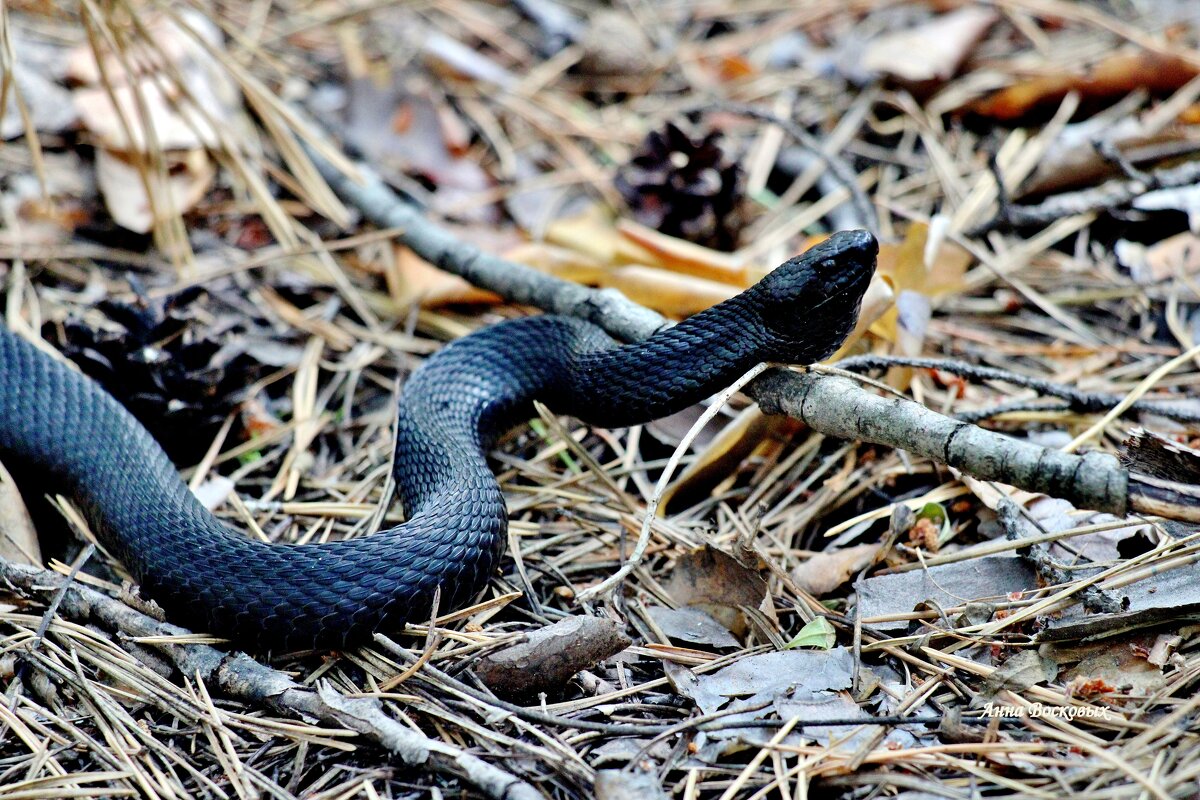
[(166, 365), (683, 187)]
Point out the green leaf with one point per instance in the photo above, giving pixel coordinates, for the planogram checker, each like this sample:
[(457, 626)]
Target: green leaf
[(818, 633)]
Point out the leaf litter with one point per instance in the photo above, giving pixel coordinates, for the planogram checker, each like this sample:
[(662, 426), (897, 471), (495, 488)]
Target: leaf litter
[(1014, 159)]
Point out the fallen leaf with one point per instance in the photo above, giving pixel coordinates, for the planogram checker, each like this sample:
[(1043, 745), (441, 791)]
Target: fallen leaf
[(562, 262), (910, 266), (625, 784), (1173, 257), (692, 625), (1020, 671), (18, 537), (213, 493), (818, 633), (413, 280), (1114, 76), (816, 706), (680, 255), (1120, 664), (165, 43), (668, 292), (1073, 160), (190, 175), (931, 51), (944, 586), (403, 132), (715, 582), (118, 121), (764, 677), (593, 232), (824, 572), (48, 104)]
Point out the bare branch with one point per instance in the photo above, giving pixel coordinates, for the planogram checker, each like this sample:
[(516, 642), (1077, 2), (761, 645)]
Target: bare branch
[(240, 676), (829, 404)]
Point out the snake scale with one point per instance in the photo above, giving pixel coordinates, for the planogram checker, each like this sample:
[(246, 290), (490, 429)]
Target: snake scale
[(62, 429)]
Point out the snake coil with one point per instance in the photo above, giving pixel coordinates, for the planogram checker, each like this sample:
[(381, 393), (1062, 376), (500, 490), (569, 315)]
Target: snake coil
[(66, 432)]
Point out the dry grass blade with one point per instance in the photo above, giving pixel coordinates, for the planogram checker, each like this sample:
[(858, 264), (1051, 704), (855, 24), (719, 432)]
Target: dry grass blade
[(1033, 190)]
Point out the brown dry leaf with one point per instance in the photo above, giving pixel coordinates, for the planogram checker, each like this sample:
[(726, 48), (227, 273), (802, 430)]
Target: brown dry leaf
[(1122, 665), (1115, 76), (1073, 160), (18, 538), (175, 124), (190, 174), (824, 572), (905, 267), (171, 45), (593, 233), (667, 292), (153, 99), (562, 262), (670, 275), (932, 51), (715, 582), (415, 280), (680, 255), (403, 131), (1172, 257)]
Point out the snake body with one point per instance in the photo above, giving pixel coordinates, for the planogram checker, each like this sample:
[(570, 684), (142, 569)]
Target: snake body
[(62, 428)]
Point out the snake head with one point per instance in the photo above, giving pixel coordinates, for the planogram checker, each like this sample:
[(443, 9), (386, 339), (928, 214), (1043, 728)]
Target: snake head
[(810, 303)]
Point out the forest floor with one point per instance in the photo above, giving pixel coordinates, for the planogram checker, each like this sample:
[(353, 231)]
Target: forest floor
[(226, 214)]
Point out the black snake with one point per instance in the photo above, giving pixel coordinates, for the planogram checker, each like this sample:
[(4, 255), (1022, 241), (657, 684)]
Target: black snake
[(75, 439)]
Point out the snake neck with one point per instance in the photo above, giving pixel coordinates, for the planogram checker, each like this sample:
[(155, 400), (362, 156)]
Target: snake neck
[(616, 386), (453, 409)]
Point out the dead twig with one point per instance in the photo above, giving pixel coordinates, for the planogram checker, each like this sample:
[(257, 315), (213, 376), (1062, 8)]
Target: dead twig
[(241, 677)]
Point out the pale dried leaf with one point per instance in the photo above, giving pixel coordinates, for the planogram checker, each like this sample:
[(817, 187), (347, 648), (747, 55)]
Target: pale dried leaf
[(125, 194), (824, 572), (932, 51), (18, 538)]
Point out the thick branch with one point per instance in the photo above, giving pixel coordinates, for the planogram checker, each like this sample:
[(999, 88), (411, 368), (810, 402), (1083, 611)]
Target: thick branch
[(840, 407)]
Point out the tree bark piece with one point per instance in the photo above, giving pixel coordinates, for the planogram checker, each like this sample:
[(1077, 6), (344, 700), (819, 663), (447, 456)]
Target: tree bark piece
[(551, 656)]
